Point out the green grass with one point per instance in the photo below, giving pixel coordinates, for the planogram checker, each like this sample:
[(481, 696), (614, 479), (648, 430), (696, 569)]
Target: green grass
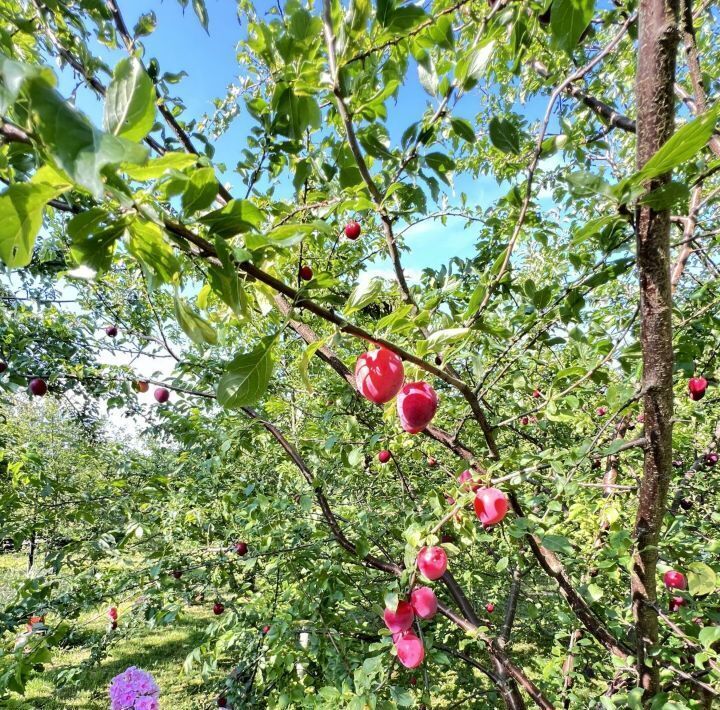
[(160, 651)]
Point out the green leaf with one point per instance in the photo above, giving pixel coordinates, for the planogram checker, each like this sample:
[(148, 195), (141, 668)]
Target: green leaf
[(130, 101), (595, 592), (147, 244), (391, 601), (681, 146), (504, 135), (440, 338), (73, 143), (309, 351), (666, 196), (364, 294), (247, 377), (201, 12), (702, 579), (287, 235), (440, 164), (568, 20), (463, 129), (237, 217), (194, 326), (21, 213), (93, 242), (201, 190), (145, 25), (709, 635), (157, 167)]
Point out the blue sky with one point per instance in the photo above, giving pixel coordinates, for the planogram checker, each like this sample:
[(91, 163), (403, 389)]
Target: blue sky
[(180, 43)]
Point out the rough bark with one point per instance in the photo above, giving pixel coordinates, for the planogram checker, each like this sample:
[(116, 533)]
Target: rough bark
[(657, 47)]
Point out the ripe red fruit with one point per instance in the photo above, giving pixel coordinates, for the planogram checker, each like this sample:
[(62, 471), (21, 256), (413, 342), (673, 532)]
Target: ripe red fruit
[(38, 387), (491, 505), (677, 602), (241, 548), (401, 619), (525, 421), (352, 230), (413, 681), (113, 626), (711, 459), (601, 411), (141, 386), (536, 394), (490, 608), (447, 538), (218, 608), (113, 613), (674, 580), (379, 375), (432, 461), (161, 395), (222, 701), (177, 573), (417, 403), (384, 456), (424, 602), (432, 562), (111, 331), (306, 273), (3, 366), (410, 650), (467, 481), (697, 387), (266, 629)]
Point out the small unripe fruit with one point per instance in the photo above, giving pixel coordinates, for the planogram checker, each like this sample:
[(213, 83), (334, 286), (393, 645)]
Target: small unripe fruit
[(447, 538), (114, 625), (490, 608), (410, 650), (111, 331), (241, 548), (641, 417), (38, 387), (177, 573), (536, 394), (161, 395), (677, 602), (266, 629), (491, 505), (401, 619), (601, 411), (424, 602), (379, 375), (352, 230), (384, 456), (218, 608), (438, 360), (595, 464), (432, 562), (113, 613), (413, 681), (141, 386), (432, 461), (674, 580), (306, 273), (417, 403), (3, 366), (222, 701), (525, 421), (697, 387), (686, 504), (711, 459), (677, 463)]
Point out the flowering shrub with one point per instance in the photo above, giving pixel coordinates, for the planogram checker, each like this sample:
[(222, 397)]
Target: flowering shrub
[(134, 689)]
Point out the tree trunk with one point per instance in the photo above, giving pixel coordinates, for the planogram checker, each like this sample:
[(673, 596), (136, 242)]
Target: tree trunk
[(657, 47)]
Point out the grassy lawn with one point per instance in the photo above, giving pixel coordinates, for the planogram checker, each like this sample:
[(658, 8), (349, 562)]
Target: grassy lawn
[(159, 651)]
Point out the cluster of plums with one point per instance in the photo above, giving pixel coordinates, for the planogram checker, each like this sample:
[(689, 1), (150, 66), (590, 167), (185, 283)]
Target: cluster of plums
[(675, 580), (379, 376)]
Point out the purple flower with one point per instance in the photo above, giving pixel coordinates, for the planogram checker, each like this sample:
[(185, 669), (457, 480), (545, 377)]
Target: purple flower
[(134, 689)]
